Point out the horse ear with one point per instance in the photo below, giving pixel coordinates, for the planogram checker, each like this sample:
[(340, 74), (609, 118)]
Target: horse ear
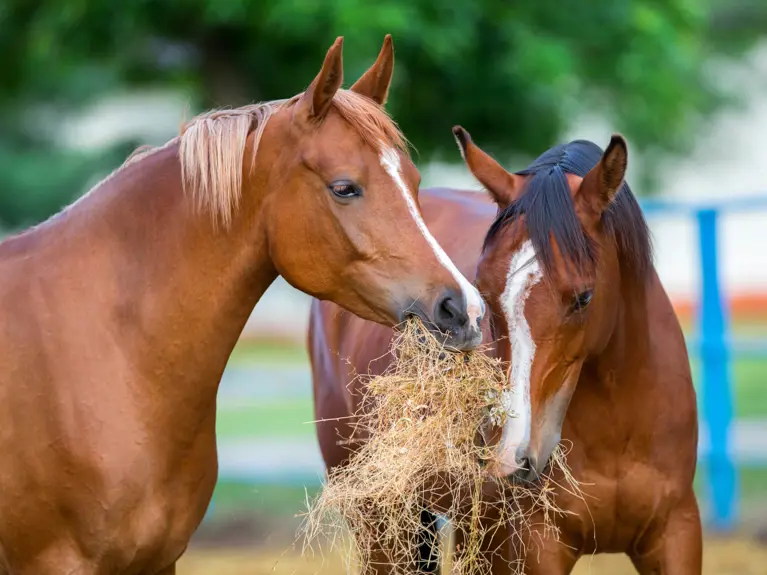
[(601, 184), (503, 187), (376, 81), (315, 101)]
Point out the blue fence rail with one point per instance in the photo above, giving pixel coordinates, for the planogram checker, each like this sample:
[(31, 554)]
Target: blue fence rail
[(715, 347)]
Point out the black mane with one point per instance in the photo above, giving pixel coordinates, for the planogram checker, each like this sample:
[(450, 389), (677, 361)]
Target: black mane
[(549, 211)]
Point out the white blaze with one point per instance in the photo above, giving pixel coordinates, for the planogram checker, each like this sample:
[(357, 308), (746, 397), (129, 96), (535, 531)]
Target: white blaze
[(524, 273), (474, 304)]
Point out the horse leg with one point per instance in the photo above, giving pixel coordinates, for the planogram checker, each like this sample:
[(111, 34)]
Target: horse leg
[(491, 552), (58, 559), (505, 547), (379, 558), (678, 549), (169, 570), (551, 558), (494, 546)]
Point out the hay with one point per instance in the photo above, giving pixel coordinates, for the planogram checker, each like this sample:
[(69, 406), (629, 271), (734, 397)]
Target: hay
[(421, 427)]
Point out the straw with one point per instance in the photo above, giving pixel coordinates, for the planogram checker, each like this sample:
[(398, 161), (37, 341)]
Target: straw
[(422, 428)]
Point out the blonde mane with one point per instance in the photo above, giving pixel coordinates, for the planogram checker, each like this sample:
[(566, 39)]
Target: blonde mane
[(213, 145)]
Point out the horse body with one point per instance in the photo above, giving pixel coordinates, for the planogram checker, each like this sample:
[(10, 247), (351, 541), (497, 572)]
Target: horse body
[(108, 442), (631, 435), (630, 426), (120, 313)]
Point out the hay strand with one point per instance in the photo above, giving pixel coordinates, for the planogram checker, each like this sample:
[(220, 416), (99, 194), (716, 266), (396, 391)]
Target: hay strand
[(423, 424)]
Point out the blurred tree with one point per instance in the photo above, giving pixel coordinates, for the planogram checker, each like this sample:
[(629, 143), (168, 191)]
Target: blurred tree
[(735, 24), (513, 73)]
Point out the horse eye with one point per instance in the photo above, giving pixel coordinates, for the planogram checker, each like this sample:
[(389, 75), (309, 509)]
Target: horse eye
[(344, 190), (582, 300)]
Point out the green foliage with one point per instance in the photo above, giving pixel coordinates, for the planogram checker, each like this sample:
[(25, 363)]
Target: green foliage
[(39, 179), (514, 74)]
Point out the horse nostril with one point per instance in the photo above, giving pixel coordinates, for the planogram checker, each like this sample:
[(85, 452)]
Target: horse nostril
[(447, 307), (450, 312)]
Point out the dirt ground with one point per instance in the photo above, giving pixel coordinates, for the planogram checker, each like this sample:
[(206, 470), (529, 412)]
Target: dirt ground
[(743, 556)]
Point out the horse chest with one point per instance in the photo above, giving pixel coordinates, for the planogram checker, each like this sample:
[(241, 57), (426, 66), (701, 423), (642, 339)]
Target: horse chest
[(619, 504), (131, 510), (160, 530), (156, 530), (633, 464)]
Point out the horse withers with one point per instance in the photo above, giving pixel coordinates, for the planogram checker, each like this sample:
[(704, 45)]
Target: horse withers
[(120, 313), (595, 355)]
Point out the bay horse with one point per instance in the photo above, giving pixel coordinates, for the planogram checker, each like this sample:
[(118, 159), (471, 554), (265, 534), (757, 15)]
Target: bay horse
[(595, 357), (120, 312)]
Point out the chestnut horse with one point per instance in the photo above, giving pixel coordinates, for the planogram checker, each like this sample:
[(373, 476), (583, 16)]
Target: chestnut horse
[(120, 313), (595, 355)]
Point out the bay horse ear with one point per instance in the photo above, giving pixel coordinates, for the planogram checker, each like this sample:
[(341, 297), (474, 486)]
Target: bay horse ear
[(376, 81), (602, 183), (503, 186), (315, 101)]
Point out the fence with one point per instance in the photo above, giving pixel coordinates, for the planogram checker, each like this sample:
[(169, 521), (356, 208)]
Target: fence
[(715, 347)]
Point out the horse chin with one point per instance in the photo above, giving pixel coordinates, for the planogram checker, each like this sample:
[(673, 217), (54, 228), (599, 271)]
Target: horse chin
[(529, 477), (467, 340), (528, 473), (533, 473)]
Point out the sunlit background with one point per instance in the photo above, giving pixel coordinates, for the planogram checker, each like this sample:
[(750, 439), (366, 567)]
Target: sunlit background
[(83, 82)]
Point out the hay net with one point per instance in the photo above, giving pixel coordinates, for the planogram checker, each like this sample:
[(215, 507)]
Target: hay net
[(422, 429)]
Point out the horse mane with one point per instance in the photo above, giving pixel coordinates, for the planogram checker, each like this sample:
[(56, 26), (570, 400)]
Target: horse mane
[(212, 145), (549, 211)]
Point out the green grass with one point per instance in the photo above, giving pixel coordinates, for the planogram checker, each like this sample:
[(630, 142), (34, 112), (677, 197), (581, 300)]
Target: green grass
[(278, 419), (752, 500), (752, 483), (750, 376), (262, 498), (750, 386), (263, 353)]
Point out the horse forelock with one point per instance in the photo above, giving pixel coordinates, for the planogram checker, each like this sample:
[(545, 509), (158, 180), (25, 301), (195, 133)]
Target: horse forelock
[(212, 146), (371, 121), (550, 213)]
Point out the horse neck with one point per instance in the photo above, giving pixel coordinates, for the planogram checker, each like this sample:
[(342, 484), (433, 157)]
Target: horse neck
[(184, 289), (628, 348)]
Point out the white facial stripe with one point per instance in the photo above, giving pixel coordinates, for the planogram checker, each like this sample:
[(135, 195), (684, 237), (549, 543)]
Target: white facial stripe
[(474, 305), (523, 275)]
